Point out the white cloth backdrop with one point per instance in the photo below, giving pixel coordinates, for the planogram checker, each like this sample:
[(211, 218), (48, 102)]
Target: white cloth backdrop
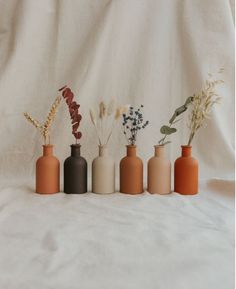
[(151, 52)]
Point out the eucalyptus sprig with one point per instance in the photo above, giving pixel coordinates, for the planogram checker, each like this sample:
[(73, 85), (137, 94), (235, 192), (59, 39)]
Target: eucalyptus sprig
[(167, 130)]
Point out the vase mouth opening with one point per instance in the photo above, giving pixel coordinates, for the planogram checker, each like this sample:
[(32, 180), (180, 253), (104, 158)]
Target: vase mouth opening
[(75, 145), (131, 146), (159, 146), (186, 146)]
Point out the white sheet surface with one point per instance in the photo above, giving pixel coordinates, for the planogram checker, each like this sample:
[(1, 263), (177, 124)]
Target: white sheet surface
[(117, 241)]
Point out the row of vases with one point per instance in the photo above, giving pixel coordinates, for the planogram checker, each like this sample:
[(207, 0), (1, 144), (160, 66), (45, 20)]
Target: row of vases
[(103, 173)]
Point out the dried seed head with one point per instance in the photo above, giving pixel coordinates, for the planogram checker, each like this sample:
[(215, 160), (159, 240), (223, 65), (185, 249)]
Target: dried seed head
[(102, 110), (111, 107), (93, 117)]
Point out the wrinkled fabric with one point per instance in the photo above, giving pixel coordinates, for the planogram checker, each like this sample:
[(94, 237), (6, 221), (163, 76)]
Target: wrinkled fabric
[(155, 53), (150, 52), (117, 241)]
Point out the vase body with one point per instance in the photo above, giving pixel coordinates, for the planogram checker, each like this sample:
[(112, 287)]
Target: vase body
[(103, 173), (75, 172), (131, 173), (47, 172), (186, 173), (159, 173)]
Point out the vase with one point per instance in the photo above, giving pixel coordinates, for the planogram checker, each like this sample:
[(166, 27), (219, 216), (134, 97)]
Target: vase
[(75, 172), (186, 173), (47, 172), (103, 173), (131, 173), (159, 172)]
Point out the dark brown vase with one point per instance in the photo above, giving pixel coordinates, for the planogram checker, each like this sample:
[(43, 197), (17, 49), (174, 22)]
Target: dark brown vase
[(186, 173), (131, 173), (75, 172), (47, 172)]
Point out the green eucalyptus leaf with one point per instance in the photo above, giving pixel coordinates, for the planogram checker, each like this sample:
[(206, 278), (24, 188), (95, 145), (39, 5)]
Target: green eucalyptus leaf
[(188, 100), (167, 130), (181, 109)]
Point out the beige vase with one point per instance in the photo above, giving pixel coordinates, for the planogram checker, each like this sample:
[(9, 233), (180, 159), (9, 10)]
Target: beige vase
[(159, 172), (103, 173)]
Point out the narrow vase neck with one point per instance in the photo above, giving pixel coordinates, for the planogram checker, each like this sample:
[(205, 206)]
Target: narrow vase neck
[(103, 151), (75, 150), (131, 151), (159, 151), (186, 151), (48, 150)]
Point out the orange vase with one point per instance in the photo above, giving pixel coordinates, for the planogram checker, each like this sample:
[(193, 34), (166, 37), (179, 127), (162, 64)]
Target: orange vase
[(186, 173), (131, 173), (47, 172)]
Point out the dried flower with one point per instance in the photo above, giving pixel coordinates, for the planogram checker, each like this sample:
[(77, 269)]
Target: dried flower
[(32, 120), (133, 122), (102, 110), (45, 128), (111, 107), (93, 117), (73, 107), (202, 105), (104, 125)]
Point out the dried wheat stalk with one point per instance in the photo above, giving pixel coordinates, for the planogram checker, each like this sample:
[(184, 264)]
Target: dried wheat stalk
[(44, 129)]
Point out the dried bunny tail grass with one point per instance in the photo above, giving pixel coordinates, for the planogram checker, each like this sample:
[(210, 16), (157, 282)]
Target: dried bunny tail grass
[(102, 110), (52, 113), (111, 107), (120, 110), (118, 113), (33, 121), (93, 117)]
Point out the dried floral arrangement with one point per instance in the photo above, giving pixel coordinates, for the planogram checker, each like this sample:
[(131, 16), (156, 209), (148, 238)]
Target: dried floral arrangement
[(44, 128), (104, 120), (133, 122), (202, 105), (73, 108), (167, 130)]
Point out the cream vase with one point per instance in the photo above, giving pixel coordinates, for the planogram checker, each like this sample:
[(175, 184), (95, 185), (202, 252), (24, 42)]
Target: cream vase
[(103, 173), (159, 172)]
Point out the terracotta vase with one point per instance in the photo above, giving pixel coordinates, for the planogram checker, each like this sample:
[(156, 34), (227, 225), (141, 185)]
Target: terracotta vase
[(159, 172), (75, 172), (186, 173), (47, 172), (131, 173), (103, 173)]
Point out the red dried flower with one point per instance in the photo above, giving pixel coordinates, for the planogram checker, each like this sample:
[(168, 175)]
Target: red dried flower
[(73, 110)]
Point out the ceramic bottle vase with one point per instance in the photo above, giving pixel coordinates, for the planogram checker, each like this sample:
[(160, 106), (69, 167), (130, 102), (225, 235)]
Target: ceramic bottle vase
[(47, 172), (186, 173), (75, 172), (159, 172), (131, 173), (103, 173)]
